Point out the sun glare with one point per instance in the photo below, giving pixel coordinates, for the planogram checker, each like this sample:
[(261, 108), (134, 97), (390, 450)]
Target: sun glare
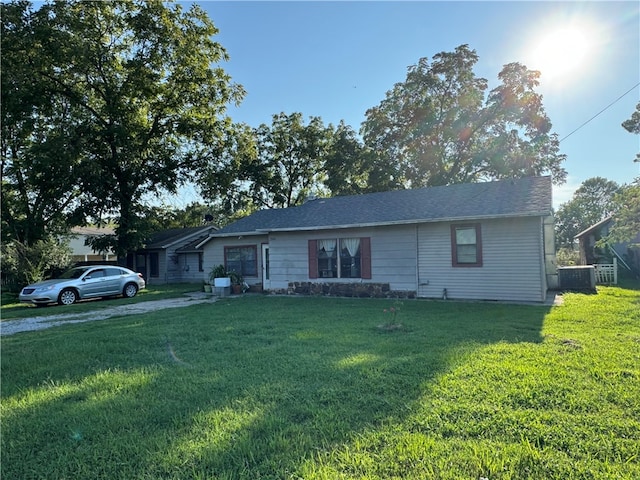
[(560, 54)]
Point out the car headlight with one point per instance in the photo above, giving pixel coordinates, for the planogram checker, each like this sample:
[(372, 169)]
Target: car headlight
[(46, 289)]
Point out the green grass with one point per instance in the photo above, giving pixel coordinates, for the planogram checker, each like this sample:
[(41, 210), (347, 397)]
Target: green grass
[(287, 388), (12, 309)]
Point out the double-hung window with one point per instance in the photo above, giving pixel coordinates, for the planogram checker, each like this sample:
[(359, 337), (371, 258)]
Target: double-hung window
[(327, 258), (466, 245), (340, 258), (350, 258), (242, 260)]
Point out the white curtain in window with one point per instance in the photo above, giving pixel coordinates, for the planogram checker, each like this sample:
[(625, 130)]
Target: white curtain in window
[(329, 246), (352, 245)]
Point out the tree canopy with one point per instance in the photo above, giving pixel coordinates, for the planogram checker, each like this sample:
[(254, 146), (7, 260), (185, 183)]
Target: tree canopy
[(627, 201), (282, 164), (41, 161), (271, 166), (352, 168), (107, 104), (632, 125), (123, 99), (626, 204), (441, 126)]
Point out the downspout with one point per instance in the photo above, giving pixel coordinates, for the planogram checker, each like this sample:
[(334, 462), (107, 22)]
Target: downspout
[(417, 261), (549, 262), (543, 260)]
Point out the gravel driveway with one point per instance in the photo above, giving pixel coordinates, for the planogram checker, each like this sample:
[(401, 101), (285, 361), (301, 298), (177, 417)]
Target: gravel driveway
[(9, 327)]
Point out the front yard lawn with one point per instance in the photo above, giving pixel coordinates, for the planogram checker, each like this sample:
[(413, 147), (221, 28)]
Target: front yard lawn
[(315, 388)]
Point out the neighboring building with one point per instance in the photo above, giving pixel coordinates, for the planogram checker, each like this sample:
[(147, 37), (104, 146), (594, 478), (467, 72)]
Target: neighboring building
[(172, 256), (84, 253), (590, 254), (481, 241)]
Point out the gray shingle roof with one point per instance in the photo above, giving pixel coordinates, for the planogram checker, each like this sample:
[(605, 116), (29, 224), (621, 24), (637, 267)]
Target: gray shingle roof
[(529, 196), (166, 238), (594, 227)]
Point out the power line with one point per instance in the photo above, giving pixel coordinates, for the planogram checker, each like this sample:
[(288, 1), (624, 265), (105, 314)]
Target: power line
[(601, 111)]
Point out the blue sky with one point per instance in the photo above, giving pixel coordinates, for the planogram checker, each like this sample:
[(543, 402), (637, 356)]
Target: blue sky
[(337, 59)]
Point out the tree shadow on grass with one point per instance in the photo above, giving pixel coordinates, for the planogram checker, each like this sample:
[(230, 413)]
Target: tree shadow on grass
[(239, 389)]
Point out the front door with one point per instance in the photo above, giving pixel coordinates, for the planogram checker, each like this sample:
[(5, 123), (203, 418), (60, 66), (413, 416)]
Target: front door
[(266, 281)]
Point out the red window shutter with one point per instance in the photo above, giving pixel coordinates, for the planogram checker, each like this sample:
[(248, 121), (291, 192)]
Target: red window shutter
[(313, 259), (365, 257)]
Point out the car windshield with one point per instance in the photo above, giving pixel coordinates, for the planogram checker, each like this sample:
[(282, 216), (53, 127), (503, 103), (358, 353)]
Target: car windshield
[(74, 273)]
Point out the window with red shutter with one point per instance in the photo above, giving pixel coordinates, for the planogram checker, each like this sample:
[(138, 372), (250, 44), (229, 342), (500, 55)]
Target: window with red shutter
[(313, 259), (365, 257)]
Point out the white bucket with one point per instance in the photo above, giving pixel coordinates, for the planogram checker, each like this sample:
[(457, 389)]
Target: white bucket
[(222, 282)]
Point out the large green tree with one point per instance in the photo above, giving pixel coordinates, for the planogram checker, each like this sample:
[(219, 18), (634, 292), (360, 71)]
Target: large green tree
[(290, 155), (591, 203), (228, 178), (41, 167), (626, 204), (441, 126), (271, 166), (143, 93), (351, 168)]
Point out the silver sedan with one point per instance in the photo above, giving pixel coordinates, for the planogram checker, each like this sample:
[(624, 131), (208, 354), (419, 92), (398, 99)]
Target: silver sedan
[(84, 282)]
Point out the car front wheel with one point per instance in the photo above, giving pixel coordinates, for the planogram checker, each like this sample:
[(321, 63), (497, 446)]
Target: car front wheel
[(67, 297), (130, 290)]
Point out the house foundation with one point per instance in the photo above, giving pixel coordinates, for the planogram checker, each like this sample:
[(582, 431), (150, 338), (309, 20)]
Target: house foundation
[(333, 289)]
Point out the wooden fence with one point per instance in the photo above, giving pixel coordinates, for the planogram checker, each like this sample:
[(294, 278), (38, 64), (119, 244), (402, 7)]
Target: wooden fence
[(607, 273)]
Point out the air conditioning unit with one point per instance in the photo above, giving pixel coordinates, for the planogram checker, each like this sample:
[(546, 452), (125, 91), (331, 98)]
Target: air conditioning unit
[(577, 279)]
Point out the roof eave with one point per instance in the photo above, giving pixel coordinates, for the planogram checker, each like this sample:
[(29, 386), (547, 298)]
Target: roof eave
[(265, 231), (186, 237), (243, 234), (593, 227), (227, 235)]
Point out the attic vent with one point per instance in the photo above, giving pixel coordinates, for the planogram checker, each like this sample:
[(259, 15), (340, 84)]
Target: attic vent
[(579, 279)]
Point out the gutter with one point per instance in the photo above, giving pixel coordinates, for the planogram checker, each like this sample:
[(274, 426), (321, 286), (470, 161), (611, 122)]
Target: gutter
[(266, 230), (391, 223)]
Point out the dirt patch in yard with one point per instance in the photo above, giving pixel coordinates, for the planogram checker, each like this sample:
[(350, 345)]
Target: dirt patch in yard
[(10, 327)]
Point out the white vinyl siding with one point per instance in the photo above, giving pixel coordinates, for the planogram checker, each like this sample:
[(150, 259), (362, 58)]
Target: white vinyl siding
[(415, 258), (393, 256), (213, 254), (183, 268), (511, 268), (174, 268)]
